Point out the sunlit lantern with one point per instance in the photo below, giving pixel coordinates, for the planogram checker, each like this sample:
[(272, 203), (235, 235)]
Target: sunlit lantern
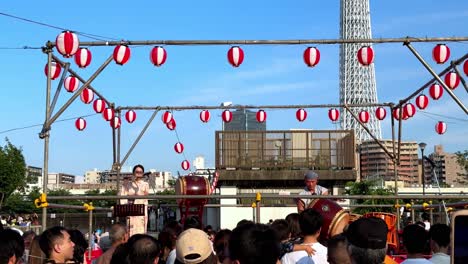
[(226, 116), (166, 117), (261, 116), (87, 95), (205, 116), (80, 124), (409, 110), (452, 80), (121, 54), (55, 70), (158, 56), (83, 57), (171, 125), (185, 165), (436, 91), (311, 56), (99, 105), (179, 147), (301, 115), (333, 114), (108, 114), (380, 113), (422, 101), (441, 127), (130, 116), (441, 53), (67, 43), (115, 122), (364, 117), (365, 55), (71, 84), (465, 67), (235, 56)]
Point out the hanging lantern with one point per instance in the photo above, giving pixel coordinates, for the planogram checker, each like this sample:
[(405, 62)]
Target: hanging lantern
[(87, 95), (441, 53), (261, 116), (465, 67), (80, 124), (452, 80), (55, 70), (311, 56), (179, 147), (396, 113), (99, 105), (436, 91), (121, 54), (67, 43), (205, 116), (364, 117), (227, 116), (333, 114), (185, 165), (301, 115), (235, 56), (422, 101), (365, 55), (171, 125), (115, 122), (166, 117), (380, 113), (71, 84), (409, 110), (130, 116), (83, 57), (158, 56), (108, 114), (441, 127)]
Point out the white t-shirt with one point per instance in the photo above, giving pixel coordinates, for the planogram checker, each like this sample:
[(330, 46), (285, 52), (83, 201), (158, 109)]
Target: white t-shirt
[(171, 257), (440, 258), (417, 261), (319, 190), (301, 257)]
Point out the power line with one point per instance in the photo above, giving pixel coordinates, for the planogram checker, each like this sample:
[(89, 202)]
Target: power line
[(444, 116), (88, 35), (20, 48)]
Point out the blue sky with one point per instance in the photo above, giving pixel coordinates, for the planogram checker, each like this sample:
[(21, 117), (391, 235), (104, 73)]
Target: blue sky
[(200, 75)]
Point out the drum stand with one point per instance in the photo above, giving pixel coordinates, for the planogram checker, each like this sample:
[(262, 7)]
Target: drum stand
[(191, 208)]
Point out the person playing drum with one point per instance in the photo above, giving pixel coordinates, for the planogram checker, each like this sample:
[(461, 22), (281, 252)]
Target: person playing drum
[(312, 188)]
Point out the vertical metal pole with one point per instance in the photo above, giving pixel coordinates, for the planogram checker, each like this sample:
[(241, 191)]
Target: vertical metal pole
[(45, 177), (423, 173), (257, 208), (395, 171), (431, 213), (90, 233), (117, 158), (413, 218)]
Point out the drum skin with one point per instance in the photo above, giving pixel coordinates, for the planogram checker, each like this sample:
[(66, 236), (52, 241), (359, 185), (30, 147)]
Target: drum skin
[(192, 185), (335, 218)]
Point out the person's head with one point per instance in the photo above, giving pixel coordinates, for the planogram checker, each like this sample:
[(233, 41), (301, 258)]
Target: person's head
[(220, 244), (310, 222), (80, 244), (253, 243), (192, 222), (310, 180), (440, 237), (144, 249), (337, 250), (281, 228), (138, 171), (414, 239), (118, 234), (243, 222), (193, 246), (11, 246), (293, 222), (28, 237), (56, 244), (36, 256), (367, 240), (120, 255)]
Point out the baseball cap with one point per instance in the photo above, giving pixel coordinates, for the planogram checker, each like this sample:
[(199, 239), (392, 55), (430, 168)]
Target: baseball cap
[(368, 233), (310, 175), (193, 246)]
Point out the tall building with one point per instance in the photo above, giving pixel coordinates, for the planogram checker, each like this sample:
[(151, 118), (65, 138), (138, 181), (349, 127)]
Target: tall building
[(55, 179), (447, 168), (357, 82), (34, 176), (199, 163), (244, 120), (93, 176), (375, 164)]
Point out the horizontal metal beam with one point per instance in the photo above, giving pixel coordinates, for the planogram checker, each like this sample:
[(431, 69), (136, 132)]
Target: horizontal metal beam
[(267, 42), (79, 207)]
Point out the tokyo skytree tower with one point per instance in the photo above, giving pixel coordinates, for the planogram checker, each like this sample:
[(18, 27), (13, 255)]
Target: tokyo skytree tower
[(357, 82)]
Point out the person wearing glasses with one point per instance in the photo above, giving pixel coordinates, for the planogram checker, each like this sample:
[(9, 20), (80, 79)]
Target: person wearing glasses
[(137, 186)]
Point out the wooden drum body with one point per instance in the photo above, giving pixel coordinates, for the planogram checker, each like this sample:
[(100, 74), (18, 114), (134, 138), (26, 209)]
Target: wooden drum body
[(192, 185), (335, 218)]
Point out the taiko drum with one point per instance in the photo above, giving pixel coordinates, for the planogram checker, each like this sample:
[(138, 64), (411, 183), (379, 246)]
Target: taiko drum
[(335, 218), (192, 185)]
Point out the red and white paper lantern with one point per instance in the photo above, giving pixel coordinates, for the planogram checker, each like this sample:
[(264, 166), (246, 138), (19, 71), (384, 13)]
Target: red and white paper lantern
[(380, 113), (436, 91), (205, 116), (441, 53), (55, 70), (166, 117), (115, 122), (441, 127), (235, 56), (171, 125), (226, 116), (71, 84), (108, 114), (333, 114), (121, 54), (409, 110), (67, 43), (185, 165), (261, 116), (80, 124), (422, 101), (301, 115), (158, 56), (364, 117), (452, 80), (130, 116), (396, 113), (365, 55), (311, 56), (465, 67), (87, 95), (179, 147), (83, 57), (99, 105)]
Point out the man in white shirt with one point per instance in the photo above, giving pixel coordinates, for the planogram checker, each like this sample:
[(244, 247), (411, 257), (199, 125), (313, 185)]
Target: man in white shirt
[(311, 223), (415, 238), (312, 188), (440, 240)]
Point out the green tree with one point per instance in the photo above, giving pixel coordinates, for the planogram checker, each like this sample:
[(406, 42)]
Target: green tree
[(12, 169), (369, 188), (71, 201), (21, 203), (104, 202), (462, 160)]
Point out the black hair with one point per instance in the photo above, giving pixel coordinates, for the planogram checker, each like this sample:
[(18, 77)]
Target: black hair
[(80, 245), (138, 166), (293, 222), (220, 244), (414, 238), (49, 237), (192, 222), (12, 245), (281, 228), (440, 233), (310, 221), (144, 250), (243, 222)]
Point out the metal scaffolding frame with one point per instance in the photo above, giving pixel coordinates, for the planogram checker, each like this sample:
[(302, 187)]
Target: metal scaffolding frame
[(117, 163)]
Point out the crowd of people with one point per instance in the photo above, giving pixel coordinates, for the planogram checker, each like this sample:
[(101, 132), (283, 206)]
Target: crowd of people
[(19, 220)]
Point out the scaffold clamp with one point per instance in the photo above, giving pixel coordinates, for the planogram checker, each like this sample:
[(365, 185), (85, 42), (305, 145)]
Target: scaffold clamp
[(88, 207), (41, 202)]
